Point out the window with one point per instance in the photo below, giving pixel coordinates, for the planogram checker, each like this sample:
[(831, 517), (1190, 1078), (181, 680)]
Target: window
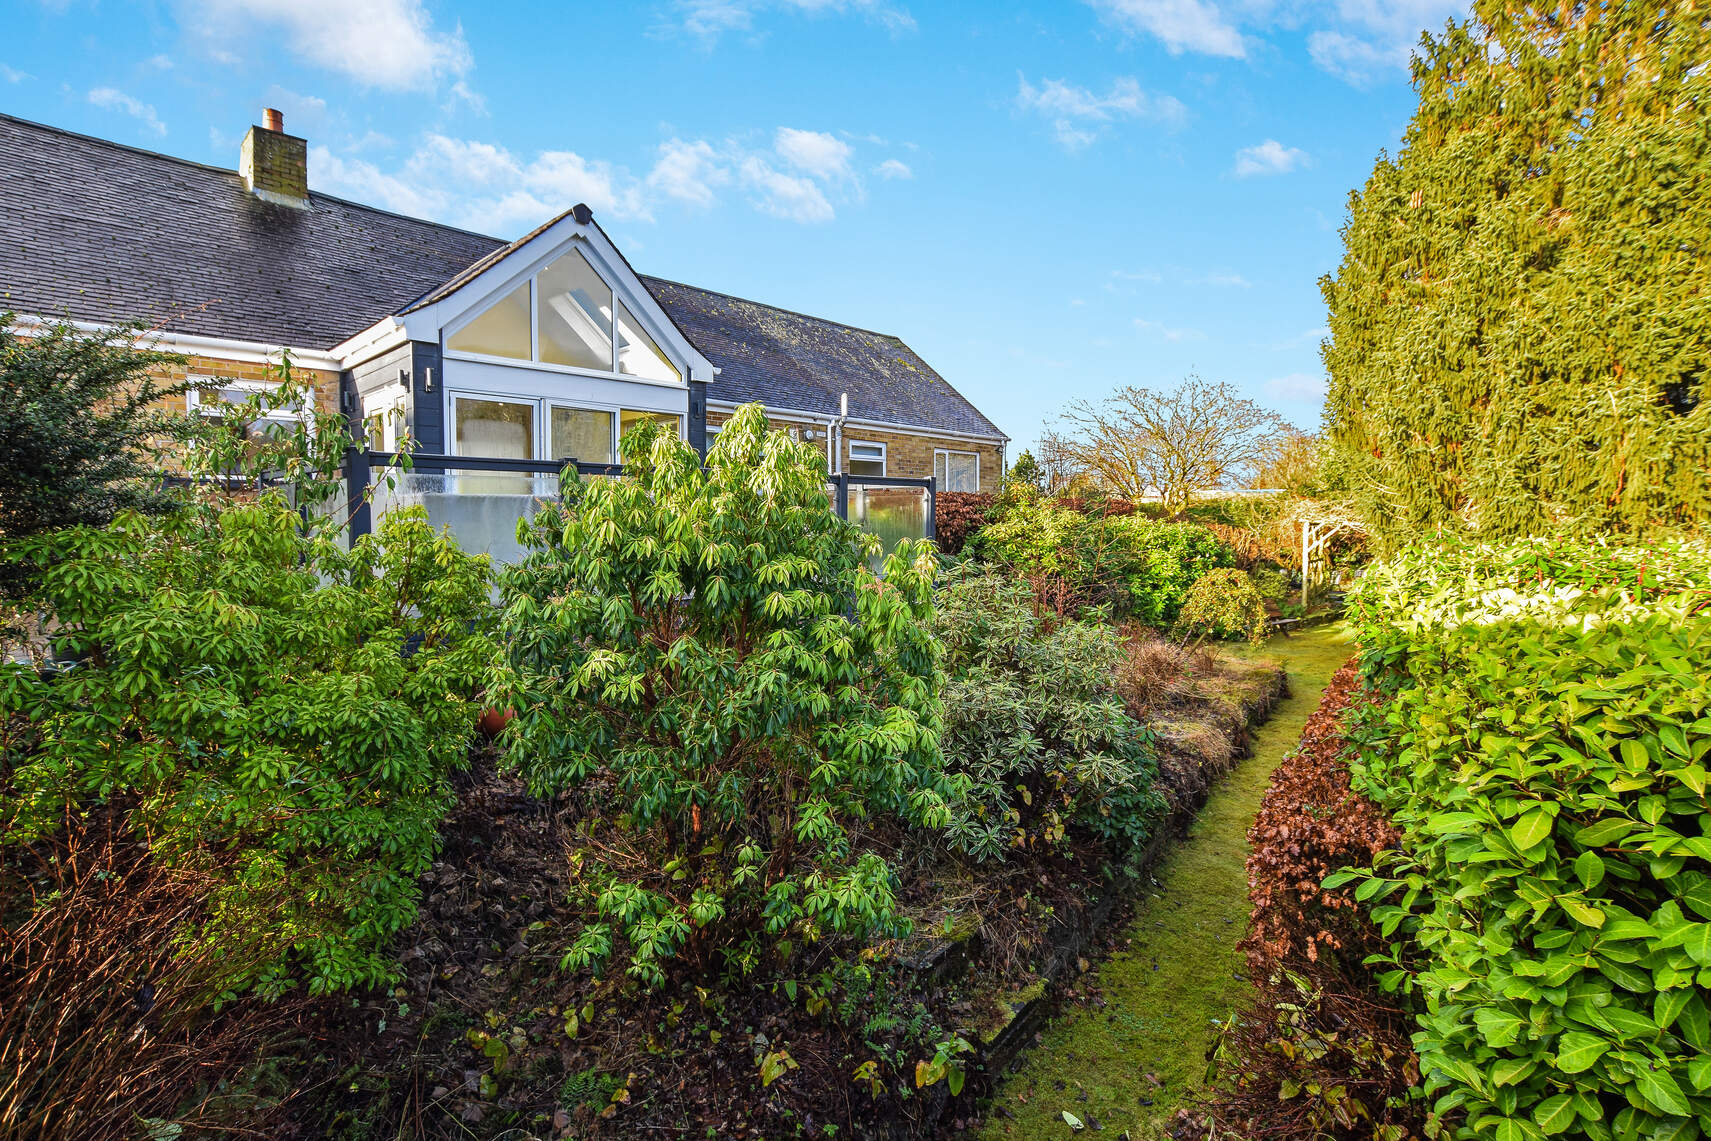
[(502, 329), (497, 429), (637, 353), (583, 434), (568, 316), (866, 459), (214, 401), (383, 414), (575, 308), (628, 419), (956, 471)]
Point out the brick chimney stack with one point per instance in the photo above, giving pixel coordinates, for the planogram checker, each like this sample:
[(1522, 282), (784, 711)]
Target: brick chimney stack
[(275, 165)]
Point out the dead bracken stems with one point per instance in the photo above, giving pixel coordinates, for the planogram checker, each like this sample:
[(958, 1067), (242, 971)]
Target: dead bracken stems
[(107, 993)]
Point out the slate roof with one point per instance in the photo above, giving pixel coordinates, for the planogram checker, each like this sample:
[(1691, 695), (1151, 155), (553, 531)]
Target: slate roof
[(99, 231), (108, 233), (791, 360)]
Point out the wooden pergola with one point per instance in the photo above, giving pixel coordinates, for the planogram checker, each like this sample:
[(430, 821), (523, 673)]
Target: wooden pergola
[(1320, 523)]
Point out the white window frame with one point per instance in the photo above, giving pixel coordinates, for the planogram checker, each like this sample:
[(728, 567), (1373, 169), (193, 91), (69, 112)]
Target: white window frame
[(533, 361), (387, 402), (884, 465), (948, 453), (543, 406), (215, 411)]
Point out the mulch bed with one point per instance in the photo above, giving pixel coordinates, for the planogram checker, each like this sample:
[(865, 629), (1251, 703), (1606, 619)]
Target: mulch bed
[(477, 1039)]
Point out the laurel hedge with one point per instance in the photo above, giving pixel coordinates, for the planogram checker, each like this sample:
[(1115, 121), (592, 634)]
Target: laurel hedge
[(1543, 749)]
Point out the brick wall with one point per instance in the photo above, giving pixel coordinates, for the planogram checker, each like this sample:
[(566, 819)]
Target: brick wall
[(907, 455)]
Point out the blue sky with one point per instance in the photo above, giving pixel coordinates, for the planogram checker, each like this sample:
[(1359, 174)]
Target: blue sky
[(1046, 200)]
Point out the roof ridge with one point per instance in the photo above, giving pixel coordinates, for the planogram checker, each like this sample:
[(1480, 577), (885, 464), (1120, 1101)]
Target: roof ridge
[(780, 309), (212, 169)]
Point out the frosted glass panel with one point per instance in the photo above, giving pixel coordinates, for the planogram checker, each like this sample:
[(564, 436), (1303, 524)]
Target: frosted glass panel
[(892, 513), (637, 353), (501, 331), (481, 517), (582, 434), (575, 314)]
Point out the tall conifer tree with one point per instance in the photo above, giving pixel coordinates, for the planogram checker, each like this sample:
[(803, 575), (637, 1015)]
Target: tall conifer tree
[(1522, 320)]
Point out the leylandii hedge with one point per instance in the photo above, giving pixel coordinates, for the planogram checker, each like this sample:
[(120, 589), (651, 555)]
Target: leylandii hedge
[(1543, 750)]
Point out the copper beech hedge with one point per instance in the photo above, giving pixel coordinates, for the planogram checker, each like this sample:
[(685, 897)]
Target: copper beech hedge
[(1319, 1053)]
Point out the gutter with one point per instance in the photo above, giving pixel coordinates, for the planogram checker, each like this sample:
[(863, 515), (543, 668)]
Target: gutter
[(192, 344)]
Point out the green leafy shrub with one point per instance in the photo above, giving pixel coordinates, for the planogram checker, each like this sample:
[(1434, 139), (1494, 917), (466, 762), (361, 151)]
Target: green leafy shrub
[(1543, 750), (1136, 566), (270, 708), (707, 652), (1223, 603), (76, 427), (1032, 719)]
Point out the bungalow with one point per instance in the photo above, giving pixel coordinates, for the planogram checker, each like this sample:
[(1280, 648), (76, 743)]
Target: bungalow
[(543, 348)]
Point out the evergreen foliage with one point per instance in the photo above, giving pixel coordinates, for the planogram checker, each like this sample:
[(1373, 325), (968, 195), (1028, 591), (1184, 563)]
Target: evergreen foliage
[(1223, 603), (75, 423), (276, 711), (1135, 566), (1032, 719), (1543, 751), (1520, 324), (708, 654)]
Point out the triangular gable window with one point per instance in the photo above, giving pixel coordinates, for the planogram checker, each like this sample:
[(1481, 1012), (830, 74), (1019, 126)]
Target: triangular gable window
[(575, 317)]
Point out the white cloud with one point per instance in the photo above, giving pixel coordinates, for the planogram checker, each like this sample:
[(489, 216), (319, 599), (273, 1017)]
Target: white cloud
[(112, 99), (707, 20), (160, 62), (782, 195), (1357, 40), (688, 172), (1078, 113), (1181, 25), (12, 74), (1302, 386), (1231, 280), (1372, 38), (814, 153), (389, 44), (484, 186), (1167, 332), (1269, 157)]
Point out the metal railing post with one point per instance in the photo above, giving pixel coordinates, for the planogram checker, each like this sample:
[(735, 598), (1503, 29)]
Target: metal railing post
[(933, 507), (357, 475), (843, 497)]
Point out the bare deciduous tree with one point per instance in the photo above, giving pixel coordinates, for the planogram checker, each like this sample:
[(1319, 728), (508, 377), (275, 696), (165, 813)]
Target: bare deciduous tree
[(1058, 462), (1200, 435)]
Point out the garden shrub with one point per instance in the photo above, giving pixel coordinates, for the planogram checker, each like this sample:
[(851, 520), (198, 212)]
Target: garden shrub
[(1543, 752), (76, 428), (1321, 1054), (274, 711), (708, 654), (959, 515), (1223, 603), (1136, 566), (1032, 719)]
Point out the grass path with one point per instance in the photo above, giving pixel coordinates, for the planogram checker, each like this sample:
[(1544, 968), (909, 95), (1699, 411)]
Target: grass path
[(1126, 1066)]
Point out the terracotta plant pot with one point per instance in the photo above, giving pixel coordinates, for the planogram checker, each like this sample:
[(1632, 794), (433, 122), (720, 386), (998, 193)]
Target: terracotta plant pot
[(492, 721)]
